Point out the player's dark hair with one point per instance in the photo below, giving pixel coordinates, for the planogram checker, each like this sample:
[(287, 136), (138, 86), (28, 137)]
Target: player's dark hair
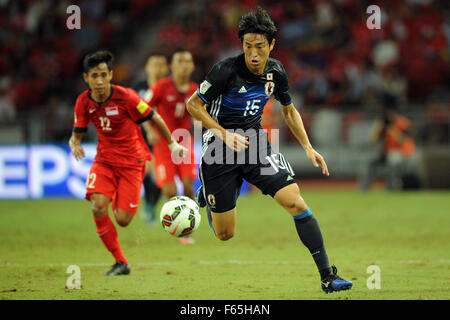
[(178, 50), (92, 60), (257, 21)]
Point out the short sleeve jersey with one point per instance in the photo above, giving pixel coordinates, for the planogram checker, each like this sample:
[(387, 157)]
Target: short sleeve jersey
[(171, 103), (120, 142), (235, 97)]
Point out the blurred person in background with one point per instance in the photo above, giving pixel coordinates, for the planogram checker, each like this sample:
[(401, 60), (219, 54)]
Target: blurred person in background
[(7, 107), (156, 69), (169, 97), (58, 119), (392, 134)]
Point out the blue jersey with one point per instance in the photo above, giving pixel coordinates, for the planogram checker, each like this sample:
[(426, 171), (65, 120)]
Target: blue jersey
[(235, 97)]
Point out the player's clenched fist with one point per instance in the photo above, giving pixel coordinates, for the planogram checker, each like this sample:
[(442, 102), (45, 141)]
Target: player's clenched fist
[(236, 141), (178, 149)]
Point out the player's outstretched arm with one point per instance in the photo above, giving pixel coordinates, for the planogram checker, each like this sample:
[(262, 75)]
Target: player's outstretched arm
[(161, 125), (75, 145), (195, 106), (152, 136), (295, 124)]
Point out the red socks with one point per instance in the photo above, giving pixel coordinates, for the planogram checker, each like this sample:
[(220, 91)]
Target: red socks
[(108, 233)]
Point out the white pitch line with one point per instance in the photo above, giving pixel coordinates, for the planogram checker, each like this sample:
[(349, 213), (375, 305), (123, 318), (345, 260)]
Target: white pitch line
[(143, 264), (414, 261), (204, 262)]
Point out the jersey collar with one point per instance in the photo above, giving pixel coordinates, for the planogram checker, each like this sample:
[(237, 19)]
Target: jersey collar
[(109, 97)]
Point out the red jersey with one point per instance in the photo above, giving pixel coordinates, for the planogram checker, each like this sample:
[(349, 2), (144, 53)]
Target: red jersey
[(171, 104), (120, 142)]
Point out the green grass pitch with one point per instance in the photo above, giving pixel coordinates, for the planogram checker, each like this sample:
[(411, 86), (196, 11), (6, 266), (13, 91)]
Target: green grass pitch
[(405, 234)]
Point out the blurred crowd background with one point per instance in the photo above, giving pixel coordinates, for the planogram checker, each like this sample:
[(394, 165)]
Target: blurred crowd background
[(340, 71)]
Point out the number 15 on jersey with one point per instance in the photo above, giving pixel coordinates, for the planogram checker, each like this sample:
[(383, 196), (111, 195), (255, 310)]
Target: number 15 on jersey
[(252, 107)]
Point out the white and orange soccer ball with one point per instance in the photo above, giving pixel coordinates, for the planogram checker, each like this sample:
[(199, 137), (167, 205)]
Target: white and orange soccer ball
[(180, 216)]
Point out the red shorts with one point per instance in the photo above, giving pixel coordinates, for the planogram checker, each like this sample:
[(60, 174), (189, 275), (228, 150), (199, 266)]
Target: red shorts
[(122, 185), (166, 169)]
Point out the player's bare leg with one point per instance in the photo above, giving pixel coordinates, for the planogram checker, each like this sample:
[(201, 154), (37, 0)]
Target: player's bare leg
[(123, 218), (169, 190), (108, 233), (188, 186), (151, 194), (100, 204), (290, 199), (309, 232), (150, 167), (224, 224)]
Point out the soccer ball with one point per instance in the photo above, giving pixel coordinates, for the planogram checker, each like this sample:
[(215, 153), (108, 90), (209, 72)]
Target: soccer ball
[(180, 216)]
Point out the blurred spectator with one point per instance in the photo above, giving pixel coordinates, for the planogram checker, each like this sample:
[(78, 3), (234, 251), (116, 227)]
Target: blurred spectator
[(333, 59), (392, 133), (58, 120), (392, 83), (385, 52), (7, 109), (437, 123), (88, 37), (40, 58), (336, 59)]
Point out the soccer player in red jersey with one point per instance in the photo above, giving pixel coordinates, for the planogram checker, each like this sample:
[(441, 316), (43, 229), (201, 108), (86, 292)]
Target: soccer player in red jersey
[(118, 169), (156, 68), (169, 97)]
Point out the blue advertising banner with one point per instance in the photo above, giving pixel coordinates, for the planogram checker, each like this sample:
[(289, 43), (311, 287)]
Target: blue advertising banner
[(44, 170), (39, 171)]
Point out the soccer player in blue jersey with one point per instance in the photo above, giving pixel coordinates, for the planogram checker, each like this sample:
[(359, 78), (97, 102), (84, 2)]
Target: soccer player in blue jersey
[(235, 92)]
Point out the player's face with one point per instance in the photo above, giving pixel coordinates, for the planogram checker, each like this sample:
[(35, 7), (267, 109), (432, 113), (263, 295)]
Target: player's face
[(256, 50), (99, 79), (157, 67), (182, 64)]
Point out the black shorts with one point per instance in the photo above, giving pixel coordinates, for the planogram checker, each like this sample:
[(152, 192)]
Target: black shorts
[(222, 170)]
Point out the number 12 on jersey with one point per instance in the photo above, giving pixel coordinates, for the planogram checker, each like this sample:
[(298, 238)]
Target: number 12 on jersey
[(105, 123)]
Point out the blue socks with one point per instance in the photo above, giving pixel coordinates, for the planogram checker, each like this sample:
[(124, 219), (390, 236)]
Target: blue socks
[(303, 214)]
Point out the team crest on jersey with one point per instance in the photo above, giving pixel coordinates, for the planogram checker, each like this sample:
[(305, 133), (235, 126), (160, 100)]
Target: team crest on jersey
[(269, 88), (211, 200)]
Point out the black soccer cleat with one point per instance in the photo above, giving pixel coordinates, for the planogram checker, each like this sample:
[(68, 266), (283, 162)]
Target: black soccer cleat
[(200, 198), (119, 268), (334, 283)]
